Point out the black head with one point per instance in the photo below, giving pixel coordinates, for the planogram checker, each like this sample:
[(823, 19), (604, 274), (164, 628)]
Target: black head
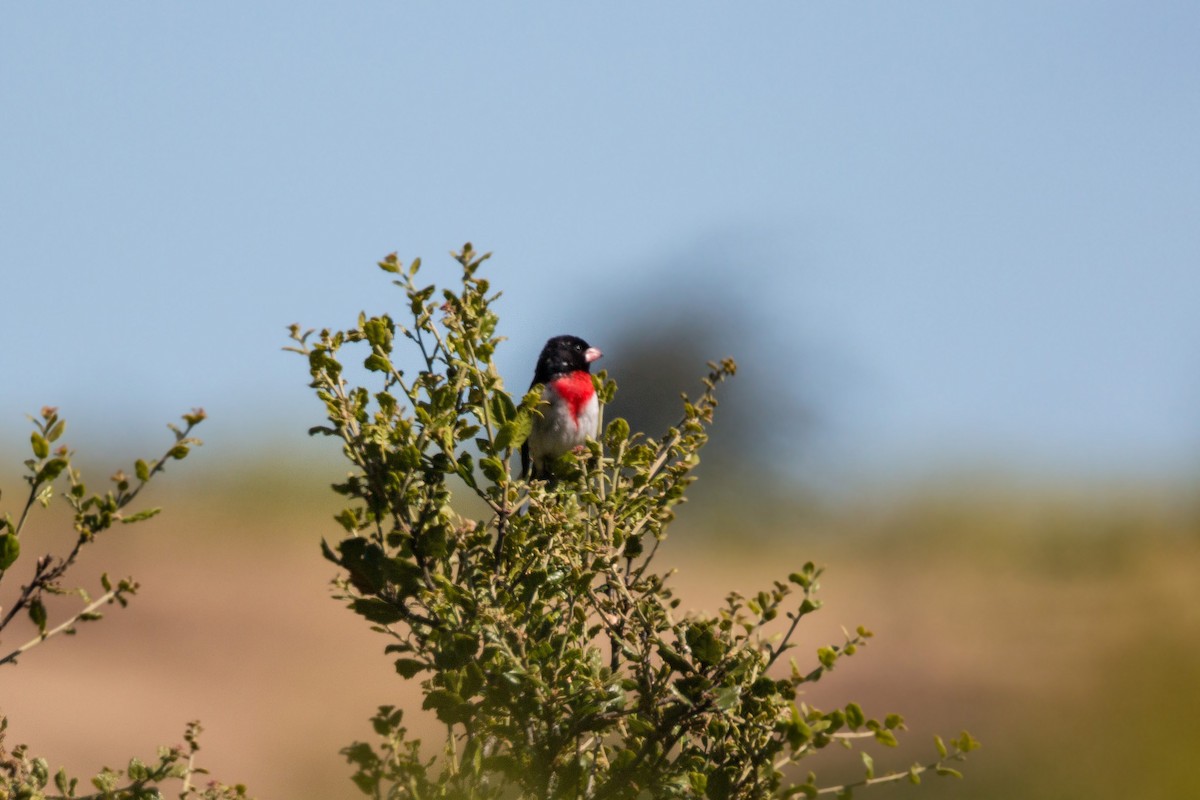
[(562, 355)]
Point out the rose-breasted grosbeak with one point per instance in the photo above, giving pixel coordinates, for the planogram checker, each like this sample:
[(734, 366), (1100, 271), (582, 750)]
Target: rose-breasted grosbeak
[(570, 410)]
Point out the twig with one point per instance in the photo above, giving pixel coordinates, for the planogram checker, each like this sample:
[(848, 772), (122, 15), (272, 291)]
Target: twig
[(105, 598)]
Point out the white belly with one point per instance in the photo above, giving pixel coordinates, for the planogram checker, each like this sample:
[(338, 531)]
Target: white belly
[(556, 431)]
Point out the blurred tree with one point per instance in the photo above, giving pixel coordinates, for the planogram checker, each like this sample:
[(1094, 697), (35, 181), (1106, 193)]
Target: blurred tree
[(689, 313), (764, 420)]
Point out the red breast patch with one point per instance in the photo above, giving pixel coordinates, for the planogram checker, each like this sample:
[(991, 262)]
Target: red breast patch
[(576, 389)]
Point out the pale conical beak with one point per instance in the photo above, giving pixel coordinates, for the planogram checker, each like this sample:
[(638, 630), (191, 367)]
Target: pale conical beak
[(591, 354)]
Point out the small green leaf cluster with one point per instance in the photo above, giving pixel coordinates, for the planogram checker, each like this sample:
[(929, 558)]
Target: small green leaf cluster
[(544, 639), (23, 777)]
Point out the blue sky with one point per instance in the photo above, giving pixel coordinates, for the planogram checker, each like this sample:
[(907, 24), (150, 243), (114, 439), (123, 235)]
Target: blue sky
[(977, 225)]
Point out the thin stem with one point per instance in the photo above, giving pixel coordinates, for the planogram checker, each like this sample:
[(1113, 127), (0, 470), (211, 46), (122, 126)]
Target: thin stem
[(891, 777), (187, 776), (105, 598), (783, 643), (33, 493)]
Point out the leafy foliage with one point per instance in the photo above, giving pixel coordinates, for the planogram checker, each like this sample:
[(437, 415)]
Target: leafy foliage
[(543, 637), (23, 777), (28, 777)]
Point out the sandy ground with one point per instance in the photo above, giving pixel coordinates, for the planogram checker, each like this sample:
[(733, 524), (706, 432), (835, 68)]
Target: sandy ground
[(235, 626)]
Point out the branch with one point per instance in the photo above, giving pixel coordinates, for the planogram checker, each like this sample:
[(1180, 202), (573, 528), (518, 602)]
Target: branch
[(108, 597), (961, 746), (891, 777)]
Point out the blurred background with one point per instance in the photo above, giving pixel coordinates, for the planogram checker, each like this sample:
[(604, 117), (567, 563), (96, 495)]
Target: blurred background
[(954, 249)]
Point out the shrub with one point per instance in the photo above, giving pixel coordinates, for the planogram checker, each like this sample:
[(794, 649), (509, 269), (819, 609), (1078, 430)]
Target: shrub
[(545, 640)]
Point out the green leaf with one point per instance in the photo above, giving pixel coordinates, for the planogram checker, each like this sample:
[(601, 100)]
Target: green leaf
[(328, 553), (465, 469), (408, 667), (455, 651), (966, 742), (501, 407), (64, 784), (51, 470), (947, 772), (10, 550), (704, 644), (348, 519), (106, 781), (728, 697), (798, 731), (513, 434), (376, 610), (616, 433), (371, 570), (449, 706), (869, 765), (41, 448), (854, 716), (141, 515), (378, 331), (492, 469), (137, 770), (886, 737), (473, 679), (377, 363), (674, 659), (37, 613), (827, 656), (56, 430), (633, 547), (142, 470), (693, 687), (941, 746)]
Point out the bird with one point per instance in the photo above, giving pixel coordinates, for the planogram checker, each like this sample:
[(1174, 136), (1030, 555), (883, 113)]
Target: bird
[(570, 411)]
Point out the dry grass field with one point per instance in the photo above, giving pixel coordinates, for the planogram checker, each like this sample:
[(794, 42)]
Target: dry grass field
[(1062, 631)]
